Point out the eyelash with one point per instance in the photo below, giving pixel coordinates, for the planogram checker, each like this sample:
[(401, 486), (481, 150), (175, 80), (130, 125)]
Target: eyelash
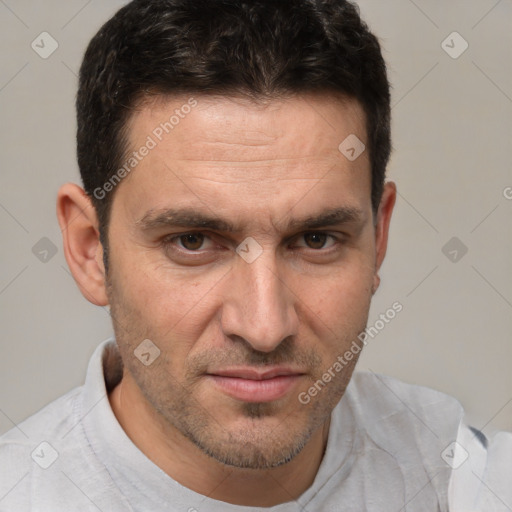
[(169, 242)]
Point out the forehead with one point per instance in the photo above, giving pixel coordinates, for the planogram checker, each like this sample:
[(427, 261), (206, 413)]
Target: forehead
[(232, 152), (240, 129)]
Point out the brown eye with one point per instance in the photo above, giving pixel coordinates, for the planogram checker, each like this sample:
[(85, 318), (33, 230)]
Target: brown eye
[(192, 241), (315, 240)]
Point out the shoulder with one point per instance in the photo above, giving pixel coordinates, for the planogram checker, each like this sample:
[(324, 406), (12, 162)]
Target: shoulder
[(403, 430), (375, 394), (426, 431), (47, 461), (31, 447), (58, 418), (53, 419), (412, 424), (481, 476)]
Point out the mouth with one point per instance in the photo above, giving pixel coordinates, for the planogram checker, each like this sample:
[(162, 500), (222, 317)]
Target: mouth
[(252, 385)]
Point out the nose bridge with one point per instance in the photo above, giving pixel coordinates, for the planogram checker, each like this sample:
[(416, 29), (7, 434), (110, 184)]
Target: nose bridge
[(260, 308)]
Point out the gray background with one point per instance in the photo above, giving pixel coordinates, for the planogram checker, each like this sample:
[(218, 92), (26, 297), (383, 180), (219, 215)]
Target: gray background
[(452, 123)]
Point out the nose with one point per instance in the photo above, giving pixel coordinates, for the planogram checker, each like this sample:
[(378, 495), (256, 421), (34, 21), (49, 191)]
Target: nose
[(259, 305)]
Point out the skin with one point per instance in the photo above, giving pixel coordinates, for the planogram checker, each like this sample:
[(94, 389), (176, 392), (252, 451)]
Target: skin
[(301, 303)]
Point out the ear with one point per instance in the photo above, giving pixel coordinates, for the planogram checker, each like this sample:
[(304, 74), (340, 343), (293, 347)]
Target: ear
[(84, 253), (385, 210)]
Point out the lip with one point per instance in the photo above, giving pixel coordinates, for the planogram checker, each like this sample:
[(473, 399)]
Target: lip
[(251, 385)]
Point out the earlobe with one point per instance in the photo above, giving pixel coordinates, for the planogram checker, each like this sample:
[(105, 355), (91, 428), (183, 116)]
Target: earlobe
[(82, 248), (385, 211), (376, 282)]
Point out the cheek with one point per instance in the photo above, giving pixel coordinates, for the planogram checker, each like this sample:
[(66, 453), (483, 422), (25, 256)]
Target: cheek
[(158, 288), (335, 309), (173, 307), (342, 295)]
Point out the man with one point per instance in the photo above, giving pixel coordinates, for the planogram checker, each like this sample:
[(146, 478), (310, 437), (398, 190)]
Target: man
[(235, 217)]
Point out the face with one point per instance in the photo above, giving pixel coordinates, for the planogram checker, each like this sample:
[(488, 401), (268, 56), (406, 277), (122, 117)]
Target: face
[(243, 246)]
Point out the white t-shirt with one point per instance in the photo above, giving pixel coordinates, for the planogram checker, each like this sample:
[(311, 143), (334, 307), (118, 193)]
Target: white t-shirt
[(391, 447)]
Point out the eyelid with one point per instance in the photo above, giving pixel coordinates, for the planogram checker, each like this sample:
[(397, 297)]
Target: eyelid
[(170, 239), (335, 239)]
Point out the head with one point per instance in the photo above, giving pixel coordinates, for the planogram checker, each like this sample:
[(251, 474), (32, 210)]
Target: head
[(222, 217)]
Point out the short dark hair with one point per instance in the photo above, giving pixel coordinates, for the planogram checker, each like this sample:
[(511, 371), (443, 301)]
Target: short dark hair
[(261, 49)]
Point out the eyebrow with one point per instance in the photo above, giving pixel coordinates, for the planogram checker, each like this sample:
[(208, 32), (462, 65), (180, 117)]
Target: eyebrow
[(193, 219)]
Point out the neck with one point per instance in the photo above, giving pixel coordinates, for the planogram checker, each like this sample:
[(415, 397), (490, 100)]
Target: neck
[(183, 461)]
